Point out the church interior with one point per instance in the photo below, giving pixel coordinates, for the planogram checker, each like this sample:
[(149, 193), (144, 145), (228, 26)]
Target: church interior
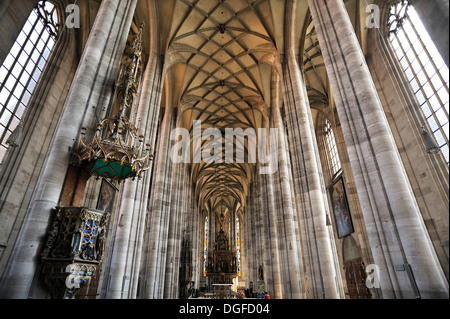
[(224, 149)]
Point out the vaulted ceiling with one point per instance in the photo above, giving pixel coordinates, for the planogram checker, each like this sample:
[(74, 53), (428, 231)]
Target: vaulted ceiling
[(220, 48), (220, 57)]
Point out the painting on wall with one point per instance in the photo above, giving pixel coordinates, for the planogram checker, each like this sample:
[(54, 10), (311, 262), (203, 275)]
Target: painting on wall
[(342, 217), (106, 197)]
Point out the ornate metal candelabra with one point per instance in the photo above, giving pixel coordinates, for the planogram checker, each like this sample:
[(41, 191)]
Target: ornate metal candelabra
[(117, 150)]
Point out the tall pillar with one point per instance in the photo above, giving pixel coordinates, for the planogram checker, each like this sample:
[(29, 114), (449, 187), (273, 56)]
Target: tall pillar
[(249, 243), (270, 249), (125, 259), (285, 209), (257, 227), (175, 227), (400, 243), (103, 52), (159, 211), (196, 249), (306, 173)]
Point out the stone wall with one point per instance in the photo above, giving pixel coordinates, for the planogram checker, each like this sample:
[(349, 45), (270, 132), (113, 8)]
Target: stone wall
[(22, 167), (428, 174)]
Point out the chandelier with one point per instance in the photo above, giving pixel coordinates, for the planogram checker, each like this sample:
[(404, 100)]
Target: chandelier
[(117, 151)]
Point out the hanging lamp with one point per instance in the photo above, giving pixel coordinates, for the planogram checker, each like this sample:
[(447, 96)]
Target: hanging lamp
[(430, 144), (117, 151)]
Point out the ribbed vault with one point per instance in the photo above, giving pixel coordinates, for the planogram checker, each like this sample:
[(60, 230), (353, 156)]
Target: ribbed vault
[(222, 47), (221, 55)]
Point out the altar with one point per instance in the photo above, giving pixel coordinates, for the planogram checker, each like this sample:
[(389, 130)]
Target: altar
[(222, 268)]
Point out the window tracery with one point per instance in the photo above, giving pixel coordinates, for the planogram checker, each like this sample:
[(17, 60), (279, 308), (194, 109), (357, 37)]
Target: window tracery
[(426, 71), (205, 247), (333, 155), (23, 67)]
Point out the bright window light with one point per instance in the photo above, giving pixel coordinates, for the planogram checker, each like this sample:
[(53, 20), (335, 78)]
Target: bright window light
[(23, 67), (424, 68)]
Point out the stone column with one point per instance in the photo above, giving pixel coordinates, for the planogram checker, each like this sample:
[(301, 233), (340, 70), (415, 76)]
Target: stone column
[(196, 248), (400, 243), (159, 211), (306, 172), (269, 236), (175, 228), (286, 209), (125, 260), (212, 228), (249, 243), (255, 228), (242, 240), (103, 51)]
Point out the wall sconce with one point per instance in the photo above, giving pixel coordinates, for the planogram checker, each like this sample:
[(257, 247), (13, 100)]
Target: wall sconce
[(15, 139), (430, 144)]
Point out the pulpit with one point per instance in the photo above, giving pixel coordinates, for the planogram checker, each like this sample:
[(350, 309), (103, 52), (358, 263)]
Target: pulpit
[(74, 250)]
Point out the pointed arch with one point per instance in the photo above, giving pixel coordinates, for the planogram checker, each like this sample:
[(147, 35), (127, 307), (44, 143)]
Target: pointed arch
[(22, 68), (424, 68)]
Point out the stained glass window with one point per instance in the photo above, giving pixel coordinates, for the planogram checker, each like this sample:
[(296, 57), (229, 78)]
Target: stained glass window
[(238, 246), (23, 67), (424, 68), (205, 247)]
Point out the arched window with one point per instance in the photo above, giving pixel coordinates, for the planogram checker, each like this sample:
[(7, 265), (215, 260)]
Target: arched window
[(238, 246), (23, 67), (333, 156), (205, 247), (424, 68)]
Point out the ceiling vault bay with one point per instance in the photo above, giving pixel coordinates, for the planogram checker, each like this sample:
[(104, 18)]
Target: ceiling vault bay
[(220, 56), (217, 50)]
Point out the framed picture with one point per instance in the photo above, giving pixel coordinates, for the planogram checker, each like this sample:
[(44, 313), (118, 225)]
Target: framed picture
[(342, 216), (106, 197)]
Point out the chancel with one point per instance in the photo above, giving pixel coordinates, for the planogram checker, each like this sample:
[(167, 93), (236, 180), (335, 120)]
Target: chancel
[(224, 149)]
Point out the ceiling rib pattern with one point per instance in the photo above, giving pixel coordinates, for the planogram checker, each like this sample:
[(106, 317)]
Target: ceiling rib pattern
[(222, 44)]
